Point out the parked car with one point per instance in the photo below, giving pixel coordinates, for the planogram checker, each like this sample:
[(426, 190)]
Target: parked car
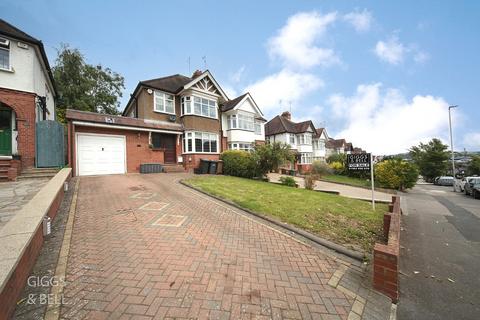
[(464, 181), (476, 191), (435, 180), (471, 181), (445, 181)]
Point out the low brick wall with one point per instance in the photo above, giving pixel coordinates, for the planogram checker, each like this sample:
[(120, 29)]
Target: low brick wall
[(386, 256), (23, 236)]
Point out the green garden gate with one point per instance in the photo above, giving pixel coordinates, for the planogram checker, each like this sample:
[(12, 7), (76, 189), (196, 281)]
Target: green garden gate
[(50, 141)]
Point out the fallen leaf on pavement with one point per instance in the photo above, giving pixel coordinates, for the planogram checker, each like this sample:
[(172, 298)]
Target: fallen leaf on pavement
[(451, 280)]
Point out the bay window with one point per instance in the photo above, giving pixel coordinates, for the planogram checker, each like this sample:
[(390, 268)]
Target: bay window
[(292, 139), (201, 107), (305, 158), (258, 128), (304, 138), (200, 142), (240, 146), (163, 102), (240, 121)]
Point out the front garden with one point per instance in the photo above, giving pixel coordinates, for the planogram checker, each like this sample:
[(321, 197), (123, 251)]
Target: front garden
[(346, 221)]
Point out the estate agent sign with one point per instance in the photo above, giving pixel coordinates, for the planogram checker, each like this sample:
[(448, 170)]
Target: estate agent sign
[(359, 162)]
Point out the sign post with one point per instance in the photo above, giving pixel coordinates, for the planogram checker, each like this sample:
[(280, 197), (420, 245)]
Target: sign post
[(362, 162)]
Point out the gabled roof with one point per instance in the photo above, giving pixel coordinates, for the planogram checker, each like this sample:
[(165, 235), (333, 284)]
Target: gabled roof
[(11, 31), (232, 104), (206, 73), (335, 143), (281, 124)]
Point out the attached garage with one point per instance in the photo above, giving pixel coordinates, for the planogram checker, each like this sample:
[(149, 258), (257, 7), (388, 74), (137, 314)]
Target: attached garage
[(100, 154), (100, 144)]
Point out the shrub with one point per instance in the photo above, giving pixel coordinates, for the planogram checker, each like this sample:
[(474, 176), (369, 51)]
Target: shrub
[(309, 182), (320, 168), (396, 174), (269, 157), (337, 157), (337, 167), (239, 163), (288, 181)]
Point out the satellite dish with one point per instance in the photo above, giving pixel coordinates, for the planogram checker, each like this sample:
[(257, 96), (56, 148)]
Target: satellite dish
[(150, 91)]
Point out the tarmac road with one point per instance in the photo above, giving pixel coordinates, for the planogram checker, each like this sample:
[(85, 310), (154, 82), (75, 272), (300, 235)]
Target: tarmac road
[(440, 255)]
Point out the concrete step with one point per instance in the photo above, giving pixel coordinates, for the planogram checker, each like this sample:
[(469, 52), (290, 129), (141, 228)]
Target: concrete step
[(36, 176), (173, 168), (39, 170)]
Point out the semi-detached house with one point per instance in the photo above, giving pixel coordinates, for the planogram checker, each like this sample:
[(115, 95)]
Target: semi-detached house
[(174, 120)]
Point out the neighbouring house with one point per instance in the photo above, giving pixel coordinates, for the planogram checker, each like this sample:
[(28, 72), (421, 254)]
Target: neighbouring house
[(299, 135), (27, 96), (319, 144), (174, 121), (340, 146)]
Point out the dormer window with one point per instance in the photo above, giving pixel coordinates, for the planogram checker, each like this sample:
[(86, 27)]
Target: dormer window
[(164, 102), (4, 54)]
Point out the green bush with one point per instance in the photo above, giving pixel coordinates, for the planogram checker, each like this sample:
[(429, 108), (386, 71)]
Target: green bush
[(320, 168), (239, 163), (288, 181), (309, 182), (396, 174)]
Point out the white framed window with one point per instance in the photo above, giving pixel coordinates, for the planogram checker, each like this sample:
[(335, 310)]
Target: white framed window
[(4, 54), (292, 139), (304, 138), (240, 146), (200, 142), (205, 107), (258, 128), (306, 158), (163, 102), (243, 121), (186, 105)]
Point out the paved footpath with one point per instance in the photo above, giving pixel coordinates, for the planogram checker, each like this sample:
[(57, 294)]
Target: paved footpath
[(146, 247)]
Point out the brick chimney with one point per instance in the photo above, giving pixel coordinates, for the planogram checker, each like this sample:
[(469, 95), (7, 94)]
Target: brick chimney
[(196, 74), (287, 115)]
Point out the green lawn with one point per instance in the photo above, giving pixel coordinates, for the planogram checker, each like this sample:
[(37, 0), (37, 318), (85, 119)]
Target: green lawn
[(350, 222), (348, 180)]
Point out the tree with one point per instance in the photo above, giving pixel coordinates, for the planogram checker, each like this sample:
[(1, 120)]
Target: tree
[(474, 166), (83, 86), (396, 174), (431, 158), (269, 157)]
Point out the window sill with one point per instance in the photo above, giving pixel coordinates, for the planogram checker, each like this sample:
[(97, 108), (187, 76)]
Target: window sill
[(241, 130), (11, 70), (196, 115), (191, 152), (172, 114)]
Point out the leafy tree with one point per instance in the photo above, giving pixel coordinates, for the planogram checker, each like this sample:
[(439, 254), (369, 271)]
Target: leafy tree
[(320, 168), (396, 174), (83, 86), (431, 158), (337, 157), (269, 157), (474, 166)]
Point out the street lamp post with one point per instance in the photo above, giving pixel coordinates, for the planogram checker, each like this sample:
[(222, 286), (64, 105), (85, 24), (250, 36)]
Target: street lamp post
[(451, 143)]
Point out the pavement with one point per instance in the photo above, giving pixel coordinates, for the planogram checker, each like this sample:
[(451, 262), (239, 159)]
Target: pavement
[(14, 195), (343, 190), (440, 255), (146, 247)]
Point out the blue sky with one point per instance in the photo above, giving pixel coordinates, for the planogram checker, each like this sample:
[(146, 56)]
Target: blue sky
[(378, 73)]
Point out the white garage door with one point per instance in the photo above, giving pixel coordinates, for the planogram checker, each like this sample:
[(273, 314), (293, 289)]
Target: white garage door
[(100, 154)]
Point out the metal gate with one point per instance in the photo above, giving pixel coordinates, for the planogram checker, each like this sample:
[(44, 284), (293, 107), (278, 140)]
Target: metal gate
[(50, 143)]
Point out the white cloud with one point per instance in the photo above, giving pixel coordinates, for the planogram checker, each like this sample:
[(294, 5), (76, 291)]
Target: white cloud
[(238, 75), (421, 57), (391, 51), (471, 141), (295, 43), (385, 122), (361, 21), (282, 87)]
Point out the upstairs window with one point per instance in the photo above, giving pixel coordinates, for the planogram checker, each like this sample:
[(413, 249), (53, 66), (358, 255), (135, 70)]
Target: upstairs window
[(186, 105), (164, 102), (292, 139), (258, 128), (305, 138), (241, 121), (4, 54), (205, 107)]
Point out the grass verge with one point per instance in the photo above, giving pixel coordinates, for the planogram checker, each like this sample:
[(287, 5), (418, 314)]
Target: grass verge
[(346, 221), (357, 182)]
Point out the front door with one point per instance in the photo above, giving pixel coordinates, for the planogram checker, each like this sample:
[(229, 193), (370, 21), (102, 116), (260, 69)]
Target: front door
[(169, 147), (5, 132)]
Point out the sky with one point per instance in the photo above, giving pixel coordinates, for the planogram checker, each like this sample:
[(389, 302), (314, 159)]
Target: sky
[(380, 74)]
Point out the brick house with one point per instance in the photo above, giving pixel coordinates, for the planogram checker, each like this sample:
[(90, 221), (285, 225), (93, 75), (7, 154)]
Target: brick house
[(27, 95), (174, 121)]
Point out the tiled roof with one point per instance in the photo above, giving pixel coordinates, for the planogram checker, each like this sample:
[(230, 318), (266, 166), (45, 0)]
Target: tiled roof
[(319, 132), (173, 84), (281, 124), (122, 121), (229, 105), (335, 143)]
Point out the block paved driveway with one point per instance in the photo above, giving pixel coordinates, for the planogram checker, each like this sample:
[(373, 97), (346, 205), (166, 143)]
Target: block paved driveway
[(146, 247)]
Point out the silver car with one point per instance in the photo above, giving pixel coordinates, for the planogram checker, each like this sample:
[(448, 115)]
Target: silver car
[(469, 184), (445, 181)]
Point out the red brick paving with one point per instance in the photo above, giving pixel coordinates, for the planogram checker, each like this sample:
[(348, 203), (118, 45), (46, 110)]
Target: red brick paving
[(217, 264)]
